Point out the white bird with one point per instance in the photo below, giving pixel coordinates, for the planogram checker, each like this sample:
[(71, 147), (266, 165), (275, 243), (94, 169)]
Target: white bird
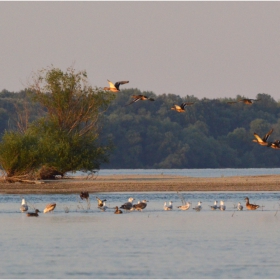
[(23, 207), (104, 207), (128, 205), (215, 206), (169, 207), (222, 206), (185, 206), (198, 207), (239, 206)]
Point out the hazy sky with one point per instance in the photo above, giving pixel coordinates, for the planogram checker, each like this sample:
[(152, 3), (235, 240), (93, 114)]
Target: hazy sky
[(205, 49)]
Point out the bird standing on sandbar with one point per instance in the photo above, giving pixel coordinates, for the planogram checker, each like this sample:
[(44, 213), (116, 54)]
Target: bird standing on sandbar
[(140, 205), (198, 207)]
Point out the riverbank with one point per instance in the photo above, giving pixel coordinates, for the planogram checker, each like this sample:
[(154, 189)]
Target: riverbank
[(144, 183)]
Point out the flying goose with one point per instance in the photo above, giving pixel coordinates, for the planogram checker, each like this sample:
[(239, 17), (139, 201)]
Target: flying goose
[(181, 108), (262, 141), (127, 205), (49, 207), (115, 87), (139, 97), (250, 206), (24, 206), (30, 214), (100, 202), (118, 211)]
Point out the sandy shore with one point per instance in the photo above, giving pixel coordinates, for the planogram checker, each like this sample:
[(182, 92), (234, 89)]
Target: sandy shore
[(145, 183)]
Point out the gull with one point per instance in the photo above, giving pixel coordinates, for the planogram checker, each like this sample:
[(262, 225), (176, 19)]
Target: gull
[(100, 202), (115, 87), (140, 97), (181, 108), (262, 141), (140, 205), (215, 206), (185, 206), (239, 206), (118, 211), (198, 207), (128, 205), (104, 207), (247, 101), (30, 214), (250, 206), (23, 207), (169, 207), (222, 206), (49, 207)]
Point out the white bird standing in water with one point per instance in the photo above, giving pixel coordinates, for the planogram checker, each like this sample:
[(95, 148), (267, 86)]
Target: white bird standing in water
[(198, 207), (239, 206), (222, 206), (215, 206), (23, 207)]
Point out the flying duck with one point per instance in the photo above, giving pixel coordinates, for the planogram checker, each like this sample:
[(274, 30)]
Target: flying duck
[(49, 207), (247, 101), (115, 87), (30, 214), (198, 207), (118, 211), (262, 141), (139, 97), (181, 108), (100, 202), (140, 205), (23, 207), (250, 206), (128, 205)]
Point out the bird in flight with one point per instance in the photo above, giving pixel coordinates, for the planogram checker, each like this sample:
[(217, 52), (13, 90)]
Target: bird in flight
[(115, 87), (140, 97), (247, 101), (262, 141), (181, 108)]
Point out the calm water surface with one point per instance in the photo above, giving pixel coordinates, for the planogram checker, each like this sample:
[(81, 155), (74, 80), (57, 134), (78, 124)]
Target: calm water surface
[(150, 244)]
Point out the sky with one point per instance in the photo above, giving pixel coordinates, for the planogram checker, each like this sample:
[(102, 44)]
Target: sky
[(205, 49)]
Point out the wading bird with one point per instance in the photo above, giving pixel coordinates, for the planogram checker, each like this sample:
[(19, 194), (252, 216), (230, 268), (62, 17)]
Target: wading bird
[(250, 206), (49, 207), (222, 206), (115, 87), (215, 206), (262, 141)]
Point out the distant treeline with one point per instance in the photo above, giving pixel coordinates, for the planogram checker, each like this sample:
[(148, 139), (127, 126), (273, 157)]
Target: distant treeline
[(209, 134)]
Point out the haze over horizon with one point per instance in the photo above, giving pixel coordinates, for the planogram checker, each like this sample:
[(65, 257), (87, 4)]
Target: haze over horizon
[(205, 49)]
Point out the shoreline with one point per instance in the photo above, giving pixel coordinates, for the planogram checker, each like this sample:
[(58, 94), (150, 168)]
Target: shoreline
[(144, 183)]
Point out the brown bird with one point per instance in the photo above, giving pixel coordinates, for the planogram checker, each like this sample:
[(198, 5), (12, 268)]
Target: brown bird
[(139, 97), (115, 87), (275, 145), (247, 101), (250, 206), (140, 205), (100, 202), (181, 108), (262, 141), (30, 214), (84, 195), (49, 207), (118, 211)]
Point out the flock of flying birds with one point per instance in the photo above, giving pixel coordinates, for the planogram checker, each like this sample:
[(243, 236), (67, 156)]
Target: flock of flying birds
[(141, 205), (181, 108)]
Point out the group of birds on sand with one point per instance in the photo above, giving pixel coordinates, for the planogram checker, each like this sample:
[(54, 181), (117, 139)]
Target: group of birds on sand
[(24, 208), (139, 206), (182, 108)]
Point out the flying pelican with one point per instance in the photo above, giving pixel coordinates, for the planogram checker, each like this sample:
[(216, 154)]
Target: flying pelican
[(181, 108), (250, 206), (128, 205), (198, 207), (49, 207), (100, 202), (247, 101), (239, 206), (222, 206), (215, 206), (262, 141), (140, 97), (140, 205), (23, 207), (115, 87), (30, 214), (118, 211)]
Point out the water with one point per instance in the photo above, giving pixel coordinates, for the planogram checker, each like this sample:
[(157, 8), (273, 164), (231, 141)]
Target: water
[(226, 172), (150, 244)]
